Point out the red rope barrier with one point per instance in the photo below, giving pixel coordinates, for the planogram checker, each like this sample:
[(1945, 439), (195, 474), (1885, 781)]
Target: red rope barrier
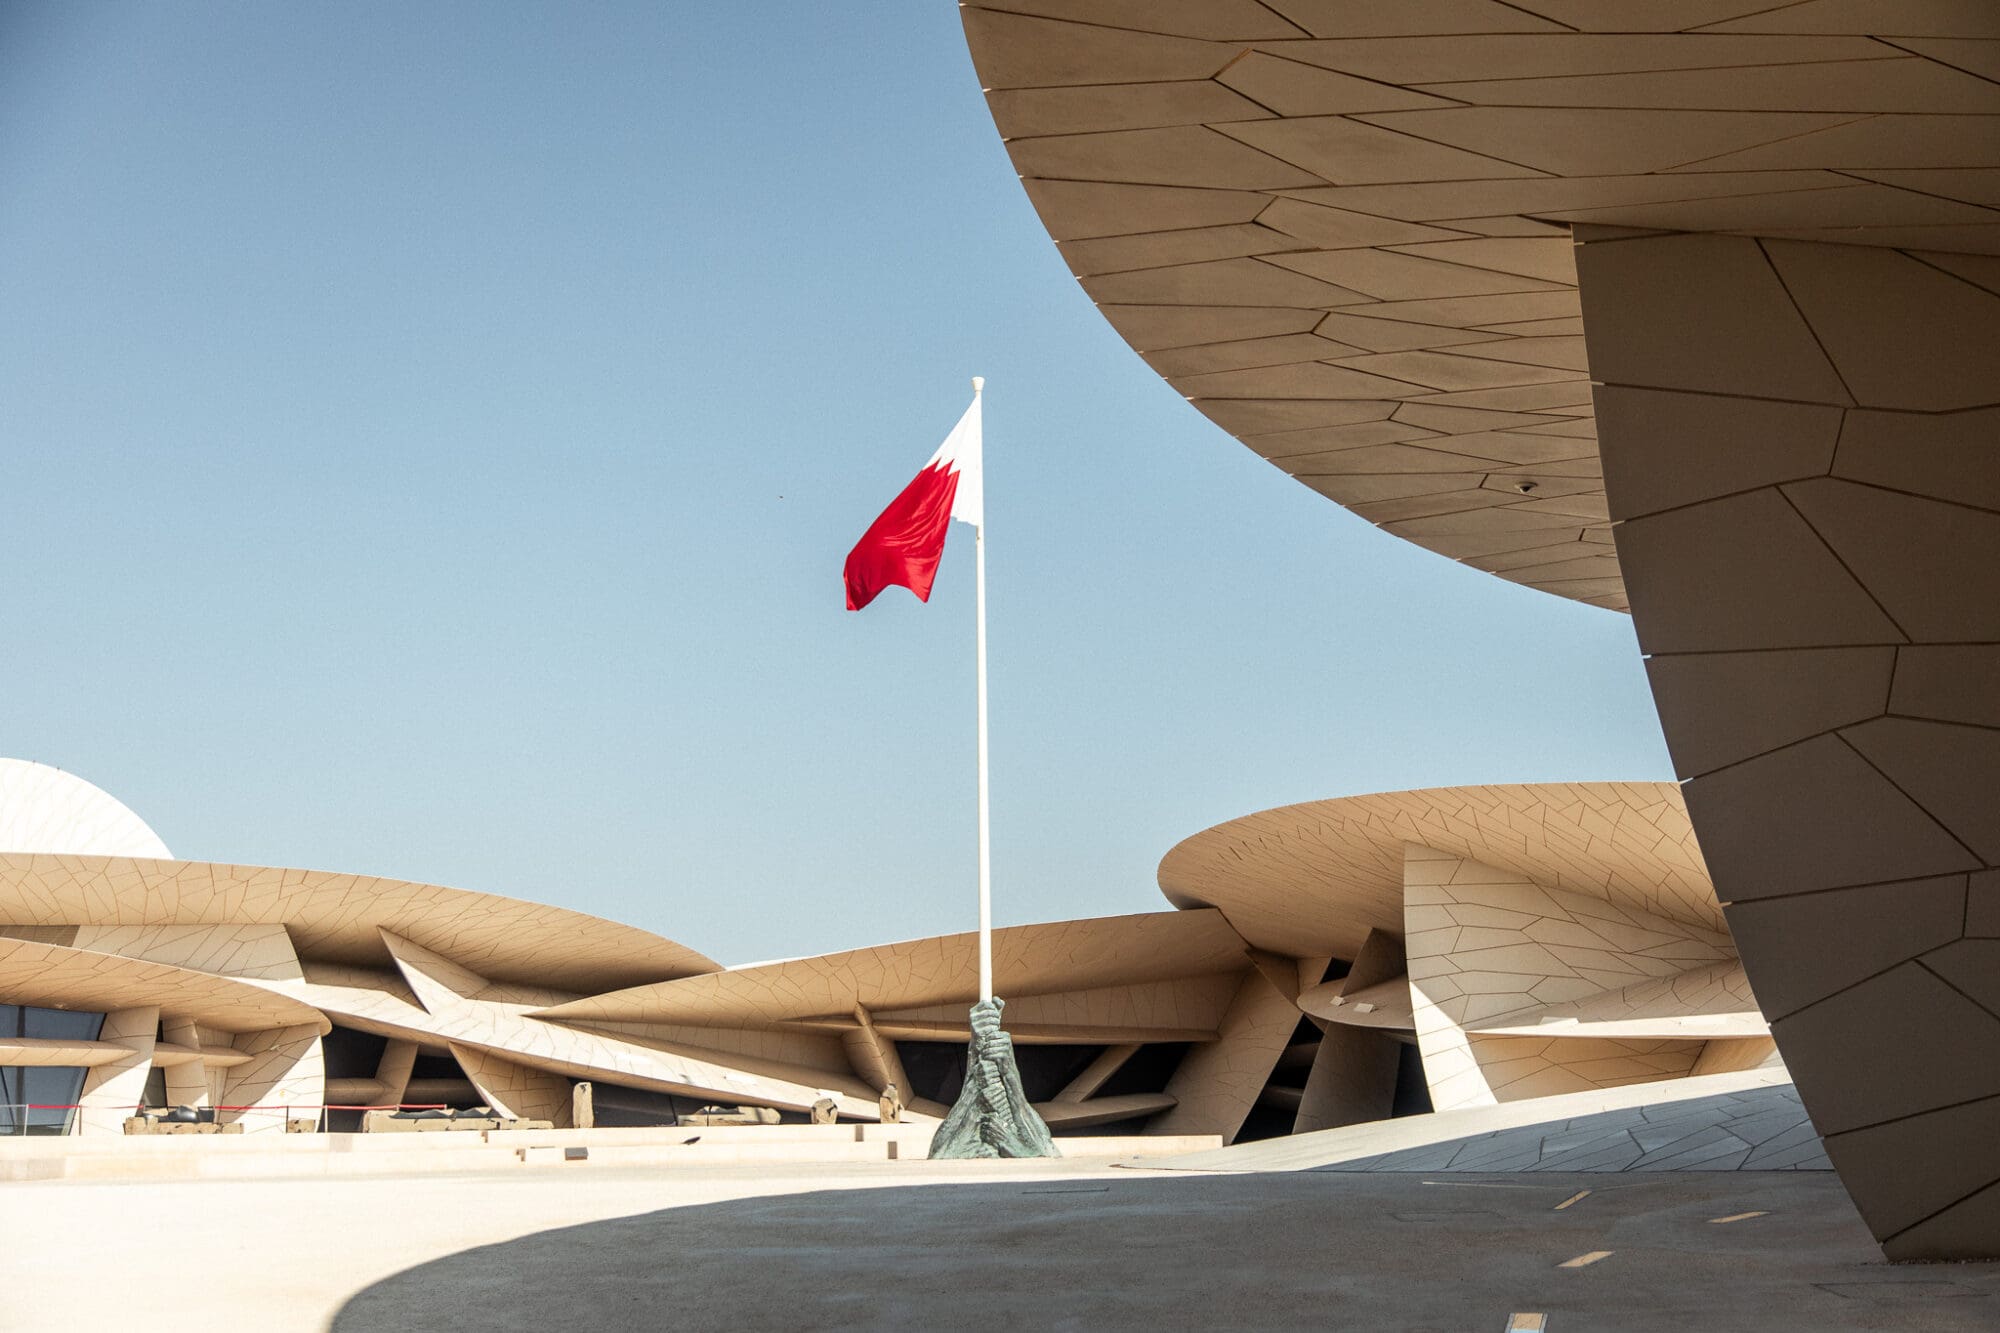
[(295, 1106)]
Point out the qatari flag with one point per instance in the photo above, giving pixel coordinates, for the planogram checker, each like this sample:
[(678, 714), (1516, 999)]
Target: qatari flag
[(905, 544)]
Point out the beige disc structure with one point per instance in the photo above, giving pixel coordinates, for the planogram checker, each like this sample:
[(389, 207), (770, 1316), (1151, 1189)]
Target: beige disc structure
[(1686, 307), (1532, 940), (524, 998), (1528, 940), (1122, 983), (44, 809), (224, 978), (336, 918)]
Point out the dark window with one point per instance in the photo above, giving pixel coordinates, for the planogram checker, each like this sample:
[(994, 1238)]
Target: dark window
[(614, 1107), (1149, 1069), (35, 1099), (352, 1054), (936, 1069)]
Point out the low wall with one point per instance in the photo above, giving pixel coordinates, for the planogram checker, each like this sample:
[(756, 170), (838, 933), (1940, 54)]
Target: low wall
[(81, 1157)]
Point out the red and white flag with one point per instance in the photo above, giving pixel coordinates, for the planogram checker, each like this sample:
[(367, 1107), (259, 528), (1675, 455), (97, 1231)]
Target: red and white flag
[(905, 544)]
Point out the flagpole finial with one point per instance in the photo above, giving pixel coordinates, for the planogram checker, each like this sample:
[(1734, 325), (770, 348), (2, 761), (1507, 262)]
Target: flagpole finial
[(978, 383)]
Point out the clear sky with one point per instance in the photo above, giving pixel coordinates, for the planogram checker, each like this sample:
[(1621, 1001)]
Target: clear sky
[(431, 435)]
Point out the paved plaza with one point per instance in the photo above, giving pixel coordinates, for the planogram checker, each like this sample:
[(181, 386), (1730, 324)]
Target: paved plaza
[(970, 1246)]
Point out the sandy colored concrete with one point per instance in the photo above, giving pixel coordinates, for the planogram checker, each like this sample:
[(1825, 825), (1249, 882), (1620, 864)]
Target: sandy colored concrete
[(962, 1245), (186, 1157), (197, 1256)]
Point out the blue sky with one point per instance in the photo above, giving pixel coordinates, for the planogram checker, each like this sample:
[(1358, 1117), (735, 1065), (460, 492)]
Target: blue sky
[(432, 435)]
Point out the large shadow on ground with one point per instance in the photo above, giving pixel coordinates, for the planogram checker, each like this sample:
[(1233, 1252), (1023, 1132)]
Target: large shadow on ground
[(1320, 1250)]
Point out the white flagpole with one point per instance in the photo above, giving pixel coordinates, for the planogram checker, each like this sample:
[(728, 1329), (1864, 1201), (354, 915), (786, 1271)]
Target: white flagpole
[(985, 814)]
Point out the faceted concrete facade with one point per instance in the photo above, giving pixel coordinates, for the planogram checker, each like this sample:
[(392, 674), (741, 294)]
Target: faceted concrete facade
[(1343, 230), (1546, 939), (1754, 405), (1815, 575)]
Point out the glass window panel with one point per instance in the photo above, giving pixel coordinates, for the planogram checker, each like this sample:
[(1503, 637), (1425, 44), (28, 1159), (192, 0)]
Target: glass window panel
[(53, 1089), (62, 1024), (36, 1099)]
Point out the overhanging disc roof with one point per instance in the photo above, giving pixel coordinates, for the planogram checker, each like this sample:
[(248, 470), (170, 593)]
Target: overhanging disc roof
[(340, 918), (1318, 877), (1343, 229), (32, 972), (1027, 960)]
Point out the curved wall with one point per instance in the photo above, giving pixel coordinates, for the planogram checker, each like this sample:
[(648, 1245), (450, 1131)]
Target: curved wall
[(1815, 577)]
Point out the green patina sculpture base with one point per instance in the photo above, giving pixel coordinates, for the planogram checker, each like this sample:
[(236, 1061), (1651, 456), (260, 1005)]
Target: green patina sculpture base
[(992, 1117)]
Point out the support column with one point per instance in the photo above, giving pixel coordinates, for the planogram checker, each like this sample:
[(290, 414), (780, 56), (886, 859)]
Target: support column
[(187, 1080), (873, 1057), (516, 1090), (287, 1068), (1097, 1073), (1801, 447), (111, 1092), (1218, 1081), (392, 1071), (1352, 1081)]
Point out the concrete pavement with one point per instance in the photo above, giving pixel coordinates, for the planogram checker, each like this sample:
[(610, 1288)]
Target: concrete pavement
[(965, 1246)]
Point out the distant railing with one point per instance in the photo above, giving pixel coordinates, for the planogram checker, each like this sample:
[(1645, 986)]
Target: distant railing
[(13, 1125)]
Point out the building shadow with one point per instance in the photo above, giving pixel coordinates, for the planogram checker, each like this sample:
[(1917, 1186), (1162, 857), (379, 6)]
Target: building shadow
[(1319, 1250), (1756, 1129)]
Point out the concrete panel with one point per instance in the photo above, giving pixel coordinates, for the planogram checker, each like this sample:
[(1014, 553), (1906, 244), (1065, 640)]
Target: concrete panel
[(1932, 566), (111, 1091), (1909, 1163), (1814, 815), (1892, 1046), (1950, 770), (1353, 1079), (1218, 1082), (1857, 933), (1641, 300), (1842, 756), (1770, 580), (1709, 447), (1949, 458), (515, 1090), (1901, 334), (1722, 708), (1952, 683), (287, 1072)]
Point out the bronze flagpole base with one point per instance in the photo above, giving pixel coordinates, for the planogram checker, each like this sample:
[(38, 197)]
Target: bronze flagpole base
[(992, 1117)]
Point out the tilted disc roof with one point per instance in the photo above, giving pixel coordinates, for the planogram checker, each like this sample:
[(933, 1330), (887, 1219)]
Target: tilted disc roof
[(1343, 229), (1316, 878), (58, 977), (340, 918), (1027, 960)]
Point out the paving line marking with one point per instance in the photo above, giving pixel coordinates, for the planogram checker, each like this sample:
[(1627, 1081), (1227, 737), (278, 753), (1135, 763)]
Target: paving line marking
[(1528, 1323), (1738, 1217), (1577, 1197), (1585, 1260)]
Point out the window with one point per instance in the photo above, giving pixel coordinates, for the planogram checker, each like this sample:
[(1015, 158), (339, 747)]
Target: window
[(35, 1099)]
